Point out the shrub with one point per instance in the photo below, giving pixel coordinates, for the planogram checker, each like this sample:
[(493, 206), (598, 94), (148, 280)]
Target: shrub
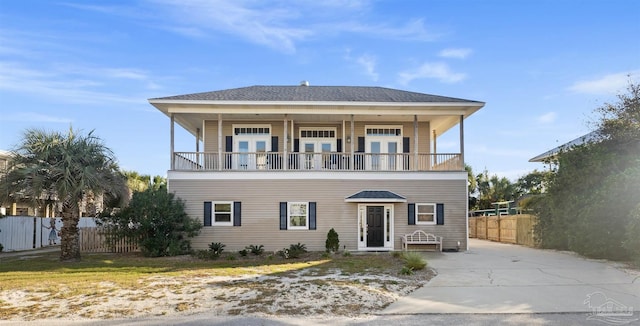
[(1, 247), (256, 249), (414, 261), (332, 243), (243, 252), (294, 251), (346, 254), (157, 220), (216, 248), (231, 257), (406, 270), (204, 254)]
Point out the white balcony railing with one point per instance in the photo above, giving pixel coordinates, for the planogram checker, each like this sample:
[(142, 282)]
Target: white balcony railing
[(274, 161)]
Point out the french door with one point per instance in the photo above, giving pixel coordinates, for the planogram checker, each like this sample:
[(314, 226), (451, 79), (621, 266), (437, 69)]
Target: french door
[(317, 153), (383, 153), (251, 152)]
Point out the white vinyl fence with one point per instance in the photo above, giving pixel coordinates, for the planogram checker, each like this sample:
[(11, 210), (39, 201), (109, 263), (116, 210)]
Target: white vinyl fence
[(28, 232)]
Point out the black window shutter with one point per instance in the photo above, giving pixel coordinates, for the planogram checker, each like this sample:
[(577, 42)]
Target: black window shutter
[(360, 144), (339, 145), (274, 143), (283, 215), (296, 145), (207, 213), (237, 213), (412, 214), (406, 145), (228, 144), (440, 214), (312, 215)]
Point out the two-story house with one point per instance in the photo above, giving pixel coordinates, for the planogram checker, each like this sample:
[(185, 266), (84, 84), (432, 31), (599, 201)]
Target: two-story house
[(285, 164)]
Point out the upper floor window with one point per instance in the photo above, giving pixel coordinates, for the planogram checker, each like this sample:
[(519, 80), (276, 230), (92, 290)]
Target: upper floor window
[(251, 130), (317, 133), (384, 131)]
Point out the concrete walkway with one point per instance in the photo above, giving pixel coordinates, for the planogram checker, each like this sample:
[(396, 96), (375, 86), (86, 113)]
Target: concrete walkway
[(501, 278)]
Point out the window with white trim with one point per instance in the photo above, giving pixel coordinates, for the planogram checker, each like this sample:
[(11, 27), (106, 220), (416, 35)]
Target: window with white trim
[(298, 215), (222, 212), (426, 214)]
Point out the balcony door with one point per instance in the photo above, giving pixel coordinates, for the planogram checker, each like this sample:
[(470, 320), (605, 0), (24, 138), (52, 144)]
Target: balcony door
[(383, 148), (250, 145), (317, 145)]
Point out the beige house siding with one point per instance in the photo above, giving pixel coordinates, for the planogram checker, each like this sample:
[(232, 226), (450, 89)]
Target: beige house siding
[(260, 209)]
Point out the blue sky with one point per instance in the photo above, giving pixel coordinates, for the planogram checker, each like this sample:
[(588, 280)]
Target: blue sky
[(542, 67)]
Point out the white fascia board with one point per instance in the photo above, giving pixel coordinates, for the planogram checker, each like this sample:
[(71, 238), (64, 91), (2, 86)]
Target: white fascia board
[(258, 175), (314, 103), (374, 200)]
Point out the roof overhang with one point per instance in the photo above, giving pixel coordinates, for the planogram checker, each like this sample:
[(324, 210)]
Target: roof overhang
[(190, 114), (375, 196)]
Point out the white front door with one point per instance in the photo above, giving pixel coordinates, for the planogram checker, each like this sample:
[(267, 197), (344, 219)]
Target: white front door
[(375, 226)]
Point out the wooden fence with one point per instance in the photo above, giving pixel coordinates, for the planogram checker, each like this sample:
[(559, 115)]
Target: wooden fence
[(516, 229), (28, 232), (97, 240)]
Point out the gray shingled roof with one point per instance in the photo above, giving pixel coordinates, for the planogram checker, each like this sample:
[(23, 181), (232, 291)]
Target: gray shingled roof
[(314, 93), (588, 138), (375, 194)]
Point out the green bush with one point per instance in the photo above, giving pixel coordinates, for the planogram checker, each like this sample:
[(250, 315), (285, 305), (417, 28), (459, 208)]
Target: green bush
[(632, 242), (216, 248), (333, 242), (414, 261), (1, 247), (406, 270), (157, 220), (243, 252), (256, 249), (294, 251)]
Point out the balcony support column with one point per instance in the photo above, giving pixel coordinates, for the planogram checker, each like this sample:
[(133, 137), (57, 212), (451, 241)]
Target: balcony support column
[(198, 146), (219, 141), (415, 143), (353, 141), (285, 158), (172, 141), (462, 140)]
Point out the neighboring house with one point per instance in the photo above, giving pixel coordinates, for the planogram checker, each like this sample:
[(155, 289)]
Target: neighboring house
[(550, 155), (17, 206), (285, 164)]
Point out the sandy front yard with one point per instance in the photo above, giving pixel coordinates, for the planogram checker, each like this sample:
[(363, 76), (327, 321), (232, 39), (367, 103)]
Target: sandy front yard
[(304, 292)]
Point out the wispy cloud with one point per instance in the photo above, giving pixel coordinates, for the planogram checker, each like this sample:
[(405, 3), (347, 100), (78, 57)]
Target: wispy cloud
[(75, 85), (262, 24), (549, 117), (33, 117), (368, 62), (433, 70), (455, 53), (608, 84)]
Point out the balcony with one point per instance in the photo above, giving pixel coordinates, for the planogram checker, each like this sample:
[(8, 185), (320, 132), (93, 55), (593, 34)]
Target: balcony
[(309, 162)]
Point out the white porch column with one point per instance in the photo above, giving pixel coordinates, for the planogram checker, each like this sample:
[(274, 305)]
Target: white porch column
[(353, 140), (462, 140), (173, 160), (197, 146), (434, 160), (219, 141), (285, 159), (415, 143)]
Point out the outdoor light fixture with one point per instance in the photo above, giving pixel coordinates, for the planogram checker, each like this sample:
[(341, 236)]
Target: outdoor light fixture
[(348, 139)]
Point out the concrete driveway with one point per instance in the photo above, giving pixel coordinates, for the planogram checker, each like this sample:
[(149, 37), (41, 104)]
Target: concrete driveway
[(501, 278)]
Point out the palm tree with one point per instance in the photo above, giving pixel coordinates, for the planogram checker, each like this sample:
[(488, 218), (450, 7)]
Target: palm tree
[(53, 166)]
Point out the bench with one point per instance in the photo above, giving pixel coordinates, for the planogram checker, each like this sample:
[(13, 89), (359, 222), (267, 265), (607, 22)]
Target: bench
[(420, 237)]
